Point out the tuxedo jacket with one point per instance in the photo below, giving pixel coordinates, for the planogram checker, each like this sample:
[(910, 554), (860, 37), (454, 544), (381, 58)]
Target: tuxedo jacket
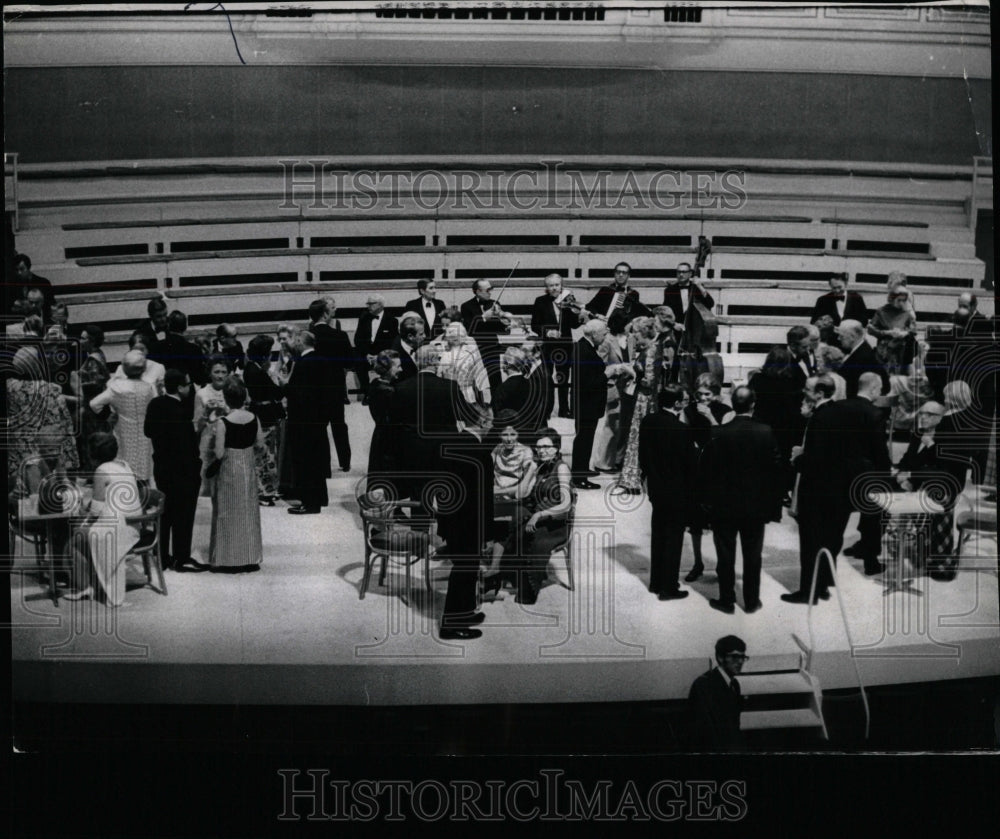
[(742, 472), (546, 316), (715, 712), (668, 459), (417, 307), (408, 365), (309, 393), (936, 466), (674, 298), (862, 360), (388, 329), (175, 442), (177, 352), (590, 385), (333, 351), (425, 410), (465, 525), (514, 394), (600, 302), (483, 330), (854, 308)]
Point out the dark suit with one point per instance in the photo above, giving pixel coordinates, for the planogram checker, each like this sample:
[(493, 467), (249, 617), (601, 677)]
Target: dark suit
[(715, 713), (178, 352), (365, 345), (871, 452), (465, 527), (408, 367), (309, 395), (668, 460), (417, 306), (557, 353), (176, 470), (334, 351), (673, 297), (514, 394), (148, 331), (486, 332), (854, 308), (540, 396), (600, 302), (590, 401), (742, 470), (862, 360)]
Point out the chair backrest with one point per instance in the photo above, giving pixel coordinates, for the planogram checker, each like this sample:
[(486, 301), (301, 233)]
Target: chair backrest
[(152, 510)]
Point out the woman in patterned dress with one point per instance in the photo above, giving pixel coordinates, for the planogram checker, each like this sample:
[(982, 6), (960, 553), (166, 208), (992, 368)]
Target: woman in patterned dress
[(236, 543), (209, 407), (648, 364), (129, 398)]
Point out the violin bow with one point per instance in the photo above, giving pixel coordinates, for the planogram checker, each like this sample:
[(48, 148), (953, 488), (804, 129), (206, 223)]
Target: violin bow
[(502, 290)]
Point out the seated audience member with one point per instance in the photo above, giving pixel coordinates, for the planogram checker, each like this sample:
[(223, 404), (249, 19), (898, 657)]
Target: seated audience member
[(129, 397), (266, 404), (99, 562), (894, 326), (962, 429), (829, 360), (209, 408), (540, 526), (152, 372), (236, 543), (715, 700), (513, 464)]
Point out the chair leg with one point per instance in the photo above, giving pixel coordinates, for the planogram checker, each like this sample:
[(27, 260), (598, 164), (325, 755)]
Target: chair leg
[(369, 562), (159, 570)]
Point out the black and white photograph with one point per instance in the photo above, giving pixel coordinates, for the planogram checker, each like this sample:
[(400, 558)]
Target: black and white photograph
[(466, 412)]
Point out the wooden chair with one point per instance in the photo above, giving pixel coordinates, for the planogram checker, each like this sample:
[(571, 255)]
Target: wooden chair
[(149, 546), (567, 545), (389, 535)]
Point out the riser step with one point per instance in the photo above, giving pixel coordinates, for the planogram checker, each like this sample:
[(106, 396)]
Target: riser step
[(792, 718)]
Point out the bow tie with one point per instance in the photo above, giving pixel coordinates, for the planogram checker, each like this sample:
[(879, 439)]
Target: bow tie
[(926, 440), (840, 297), (428, 304)]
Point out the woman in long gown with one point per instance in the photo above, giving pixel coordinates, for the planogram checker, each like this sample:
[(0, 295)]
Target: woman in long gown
[(102, 543), (894, 325), (90, 381), (129, 397), (281, 371), (541, 524), (648, 365), (387, 367), (266, 404), (209, 408), (236, 543)]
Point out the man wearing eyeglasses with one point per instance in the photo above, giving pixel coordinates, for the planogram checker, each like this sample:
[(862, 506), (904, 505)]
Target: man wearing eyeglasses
[(715, 699), (680, 293), (618, 296), (482, 318)]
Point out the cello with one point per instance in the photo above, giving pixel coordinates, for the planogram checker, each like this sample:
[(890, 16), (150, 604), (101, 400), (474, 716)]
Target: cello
[(697, 348)]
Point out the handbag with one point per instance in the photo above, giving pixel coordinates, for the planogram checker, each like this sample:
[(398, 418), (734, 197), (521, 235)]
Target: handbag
[(213, 468)]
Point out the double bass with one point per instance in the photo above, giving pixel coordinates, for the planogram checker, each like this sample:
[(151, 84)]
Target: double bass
[(697, 348)]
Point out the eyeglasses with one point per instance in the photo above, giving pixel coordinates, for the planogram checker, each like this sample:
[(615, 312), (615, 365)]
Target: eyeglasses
[(544, 446), (621, 270), (738, 656)]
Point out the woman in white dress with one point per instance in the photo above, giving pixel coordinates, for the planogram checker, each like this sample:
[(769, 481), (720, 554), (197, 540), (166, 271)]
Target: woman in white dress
[(209, 408), (462, 363), (129, 398), (102, 543), (153, 373)]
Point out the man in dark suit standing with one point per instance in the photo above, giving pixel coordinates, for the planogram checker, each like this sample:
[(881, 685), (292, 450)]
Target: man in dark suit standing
[(859, 357), (411, 337), (176, 467), (309, 396), (839, 305), (618, 296), (668, 461), (482, 319), (464, 526), (178, 352), (554, 325), (376, 331), (541, 392), (680, 294), (741, 468), (153, 328), (715, 700), (428, 307), (333, 351), (590, 398)]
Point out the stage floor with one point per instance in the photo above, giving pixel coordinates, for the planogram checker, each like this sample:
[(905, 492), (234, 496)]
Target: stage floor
[(297, 633)]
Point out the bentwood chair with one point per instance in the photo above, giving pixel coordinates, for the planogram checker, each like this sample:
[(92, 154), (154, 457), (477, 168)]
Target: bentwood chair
[(149, 546)]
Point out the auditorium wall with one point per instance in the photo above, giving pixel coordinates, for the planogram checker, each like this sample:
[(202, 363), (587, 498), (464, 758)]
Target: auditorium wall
[(154, 112)]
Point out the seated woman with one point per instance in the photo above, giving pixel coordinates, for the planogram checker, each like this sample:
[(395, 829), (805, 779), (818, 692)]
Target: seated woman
[(99, 561), (540, 526), (513, 465), (236, 543)]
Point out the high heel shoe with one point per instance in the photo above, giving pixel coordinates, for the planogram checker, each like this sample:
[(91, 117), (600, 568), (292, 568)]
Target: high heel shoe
[(492, 583)]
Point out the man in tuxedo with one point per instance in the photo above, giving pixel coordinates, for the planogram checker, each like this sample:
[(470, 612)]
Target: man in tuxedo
[(715, 700), (176, 351), (802, 343), (464, 525), (425, 410), (428, 307), (153, 328), (309, 395), (590, 398), (742, 471), (541, 392), (618, 295), (679, 295), (839, 304), (376, 331), (514, 393), (668, 461), (411, 337), (859, 357), (554, 325), (481, 317), (333, 351), (872, 452), (26, 280), (176, 467)]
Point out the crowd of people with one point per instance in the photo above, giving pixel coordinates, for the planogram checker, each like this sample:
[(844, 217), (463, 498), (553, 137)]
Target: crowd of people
[(455, 396)]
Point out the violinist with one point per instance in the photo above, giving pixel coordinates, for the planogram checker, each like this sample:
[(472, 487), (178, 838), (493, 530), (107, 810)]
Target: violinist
[(484, 320), (618, 295), (553, 319), (679, 294)]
